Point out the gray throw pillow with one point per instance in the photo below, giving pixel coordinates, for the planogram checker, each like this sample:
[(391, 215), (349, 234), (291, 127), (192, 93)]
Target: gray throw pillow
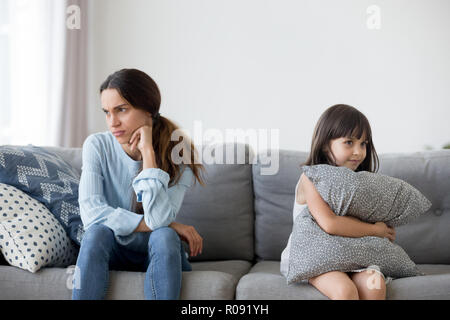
[(371, 197), (367, 196)]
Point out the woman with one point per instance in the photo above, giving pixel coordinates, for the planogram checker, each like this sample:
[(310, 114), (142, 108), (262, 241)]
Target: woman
[(133, 160)]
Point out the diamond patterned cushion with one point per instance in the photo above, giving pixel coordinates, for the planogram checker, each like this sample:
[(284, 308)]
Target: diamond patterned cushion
[(47, 178)]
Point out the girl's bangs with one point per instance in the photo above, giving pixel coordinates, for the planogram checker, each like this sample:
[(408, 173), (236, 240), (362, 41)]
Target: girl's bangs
[(352, 126)]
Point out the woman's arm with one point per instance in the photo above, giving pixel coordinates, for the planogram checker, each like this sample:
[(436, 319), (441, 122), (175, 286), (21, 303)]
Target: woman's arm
[(149, 161), (142, 227), (189, 235), (94, 208), (339, 225), (160, 203), (186, 233)]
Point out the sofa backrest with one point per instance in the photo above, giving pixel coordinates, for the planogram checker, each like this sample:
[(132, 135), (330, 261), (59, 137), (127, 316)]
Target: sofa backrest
[(71, 155), (426, 240), (242, 213), (274, 201), (222, 211)]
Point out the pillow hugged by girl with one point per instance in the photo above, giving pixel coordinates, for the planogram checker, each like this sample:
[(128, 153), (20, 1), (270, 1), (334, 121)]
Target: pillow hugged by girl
[(342, 137)]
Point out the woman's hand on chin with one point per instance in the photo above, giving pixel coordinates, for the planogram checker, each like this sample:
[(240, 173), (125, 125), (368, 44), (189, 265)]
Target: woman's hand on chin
[(141, 139)]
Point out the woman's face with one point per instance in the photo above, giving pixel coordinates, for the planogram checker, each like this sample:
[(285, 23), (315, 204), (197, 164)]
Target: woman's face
[(122, 118)]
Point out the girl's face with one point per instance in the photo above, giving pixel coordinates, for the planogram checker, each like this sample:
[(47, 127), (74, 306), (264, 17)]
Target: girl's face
[(122, 118), (348, 152)]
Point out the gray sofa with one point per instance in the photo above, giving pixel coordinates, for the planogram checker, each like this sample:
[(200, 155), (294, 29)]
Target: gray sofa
[(245, 219)]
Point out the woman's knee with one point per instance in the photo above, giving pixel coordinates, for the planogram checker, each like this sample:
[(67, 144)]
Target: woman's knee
[(165, 240), (97, 236)]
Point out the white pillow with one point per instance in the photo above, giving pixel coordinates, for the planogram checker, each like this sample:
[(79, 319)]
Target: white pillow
[(30, 236)]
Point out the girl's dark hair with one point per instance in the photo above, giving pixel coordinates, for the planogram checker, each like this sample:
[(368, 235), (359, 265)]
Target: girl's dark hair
[(338, 121), (142, 92)]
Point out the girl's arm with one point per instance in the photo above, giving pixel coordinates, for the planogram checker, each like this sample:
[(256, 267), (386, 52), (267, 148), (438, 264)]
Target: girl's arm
[(339, 225)]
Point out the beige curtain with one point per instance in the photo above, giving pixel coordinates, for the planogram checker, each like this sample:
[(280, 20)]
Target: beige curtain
[(72, 125)]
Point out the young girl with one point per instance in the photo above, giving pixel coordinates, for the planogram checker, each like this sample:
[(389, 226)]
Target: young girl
[(133, 159), (342, 137)]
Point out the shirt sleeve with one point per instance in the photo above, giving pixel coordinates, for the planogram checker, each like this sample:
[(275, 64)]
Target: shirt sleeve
[(160, 203), (93, 206)]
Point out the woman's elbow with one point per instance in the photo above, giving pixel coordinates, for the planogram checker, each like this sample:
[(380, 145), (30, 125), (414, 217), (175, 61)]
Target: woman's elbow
[(170, 218), (155, 223)]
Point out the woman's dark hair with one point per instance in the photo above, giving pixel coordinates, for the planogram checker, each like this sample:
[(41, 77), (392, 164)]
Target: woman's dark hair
[(142, 92), (338, 121)]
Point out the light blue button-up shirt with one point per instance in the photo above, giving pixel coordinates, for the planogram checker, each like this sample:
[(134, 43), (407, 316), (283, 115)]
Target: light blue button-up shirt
[(110, 179)]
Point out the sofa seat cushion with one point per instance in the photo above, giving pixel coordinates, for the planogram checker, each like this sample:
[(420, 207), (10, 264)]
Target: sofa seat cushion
[(208, 280), (435, 285), (264, 281)]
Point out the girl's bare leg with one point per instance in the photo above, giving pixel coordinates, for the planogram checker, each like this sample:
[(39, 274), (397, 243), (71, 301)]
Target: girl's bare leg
[(335, 285), (370, 285)]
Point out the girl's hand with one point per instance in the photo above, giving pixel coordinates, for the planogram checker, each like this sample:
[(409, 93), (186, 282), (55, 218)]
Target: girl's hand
[(190, 235), (383, 231), (141, 139)]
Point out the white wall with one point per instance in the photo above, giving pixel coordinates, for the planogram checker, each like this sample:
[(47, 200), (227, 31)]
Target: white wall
[(278, 64)]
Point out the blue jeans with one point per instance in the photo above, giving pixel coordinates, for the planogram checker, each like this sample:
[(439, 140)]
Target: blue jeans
[(164, 260)]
